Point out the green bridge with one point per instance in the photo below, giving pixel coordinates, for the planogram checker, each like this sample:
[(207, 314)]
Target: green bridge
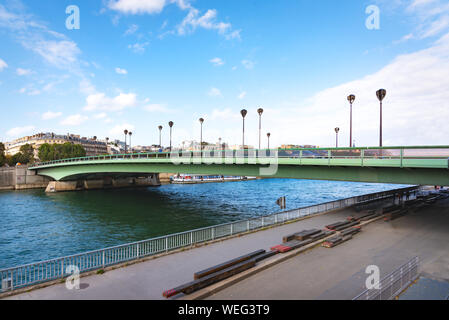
[(417, 165)]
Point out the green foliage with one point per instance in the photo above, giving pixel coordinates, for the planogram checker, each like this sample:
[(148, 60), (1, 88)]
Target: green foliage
[(49, 152), (24, 156), (2, 155)]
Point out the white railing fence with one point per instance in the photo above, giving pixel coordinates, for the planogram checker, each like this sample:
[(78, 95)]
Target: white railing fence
[(34, 273), (394, 283)]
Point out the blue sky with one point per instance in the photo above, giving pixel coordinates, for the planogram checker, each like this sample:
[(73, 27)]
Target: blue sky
[(138, 64)]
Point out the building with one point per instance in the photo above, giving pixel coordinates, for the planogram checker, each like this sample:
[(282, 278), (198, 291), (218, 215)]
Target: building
[(92, 145)]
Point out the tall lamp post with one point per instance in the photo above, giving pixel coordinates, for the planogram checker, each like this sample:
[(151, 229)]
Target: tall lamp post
[(130, 147), (170, 124), (201, 136), (337, 129), (268, 136), (351, 99), (160, 136), (381, 93), (126, 134), (243, 112), (260, 111)]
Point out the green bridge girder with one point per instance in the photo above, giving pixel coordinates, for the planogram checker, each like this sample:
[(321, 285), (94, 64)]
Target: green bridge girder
[(397, 165)]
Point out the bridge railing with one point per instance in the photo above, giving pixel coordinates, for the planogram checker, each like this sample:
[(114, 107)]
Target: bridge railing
[(35, 273), (403, 155)]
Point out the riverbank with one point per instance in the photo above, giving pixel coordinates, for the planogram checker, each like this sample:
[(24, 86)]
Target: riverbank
[(148, 279), (20, 178)]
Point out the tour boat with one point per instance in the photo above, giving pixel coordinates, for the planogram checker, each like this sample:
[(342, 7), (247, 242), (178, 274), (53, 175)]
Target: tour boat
[(190, 178)]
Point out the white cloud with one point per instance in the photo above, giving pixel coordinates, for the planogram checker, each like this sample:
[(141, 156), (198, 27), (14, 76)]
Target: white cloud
[(132, 29), (431, 17), (55, 48), (30, 91), (138, 47), (233, 35), (156, 108), (224, 114), (87, 87), (214, 92), (23, 72), (18, 131), (74, 120), (137, 6), (51, 115), (3, 65), (217, 62), (415, 110), (121, 71), (242, 95), (102, 115), (117, 131), (99, 101), (61, 54), (248, 64), (193, 20)]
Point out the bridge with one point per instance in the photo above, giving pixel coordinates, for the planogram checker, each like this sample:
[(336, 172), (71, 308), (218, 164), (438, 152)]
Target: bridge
[(417, 165)]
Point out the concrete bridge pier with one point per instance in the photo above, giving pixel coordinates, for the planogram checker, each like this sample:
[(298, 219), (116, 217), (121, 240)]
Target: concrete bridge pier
[(103, 183)]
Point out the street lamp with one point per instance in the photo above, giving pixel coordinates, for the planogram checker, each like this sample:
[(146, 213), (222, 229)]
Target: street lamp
[(130, 147), (243, 112), (170, 124), (381, 93), (160, 137), (260, 111), (201, 136), (268, 136), (126, 133), (337, 129), (351, 99)]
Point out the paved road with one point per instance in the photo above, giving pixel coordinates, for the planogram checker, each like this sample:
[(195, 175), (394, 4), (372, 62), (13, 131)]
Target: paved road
[(147, 280), (339, 273)]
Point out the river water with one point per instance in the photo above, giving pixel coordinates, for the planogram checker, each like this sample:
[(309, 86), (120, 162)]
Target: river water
[(36, 226)]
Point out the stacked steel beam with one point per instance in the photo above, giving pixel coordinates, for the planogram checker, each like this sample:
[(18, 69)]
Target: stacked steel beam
[(220, 272)]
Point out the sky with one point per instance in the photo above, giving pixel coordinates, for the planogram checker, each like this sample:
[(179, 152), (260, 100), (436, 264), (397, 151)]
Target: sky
[(138, 64)]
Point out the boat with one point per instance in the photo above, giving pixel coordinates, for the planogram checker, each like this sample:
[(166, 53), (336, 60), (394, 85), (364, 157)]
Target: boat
[(192, 179)]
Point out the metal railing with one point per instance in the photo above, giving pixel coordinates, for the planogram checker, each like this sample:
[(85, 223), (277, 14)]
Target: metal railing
[(34, 273), (394, 283), (399, 154)]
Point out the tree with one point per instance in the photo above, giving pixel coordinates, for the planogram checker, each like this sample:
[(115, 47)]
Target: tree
[(49, 152), (26, 154), (2, 155)]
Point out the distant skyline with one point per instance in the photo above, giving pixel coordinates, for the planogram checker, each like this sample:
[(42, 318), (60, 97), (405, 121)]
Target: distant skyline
[(140, 64)]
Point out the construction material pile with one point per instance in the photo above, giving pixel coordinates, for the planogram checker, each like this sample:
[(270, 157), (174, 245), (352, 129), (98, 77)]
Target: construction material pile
[(300, 239), (220, 272), (343, 236)]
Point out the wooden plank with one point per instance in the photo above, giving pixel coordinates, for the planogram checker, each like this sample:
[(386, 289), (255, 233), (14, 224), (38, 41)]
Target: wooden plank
[(227, 264), (210, 279), (345, 226), (265, 255), (302, 235), (337, 224)]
